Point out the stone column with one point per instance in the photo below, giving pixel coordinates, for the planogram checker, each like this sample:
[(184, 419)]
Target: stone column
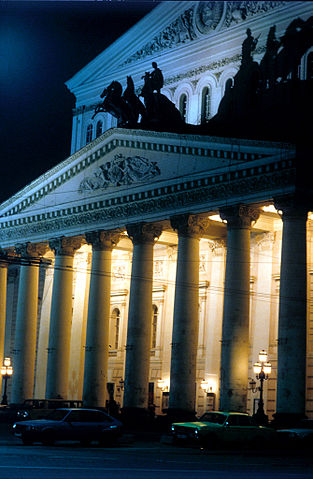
[(291, 360), (3, 299), (235, 329), (98, 320), (186, 315), (137, 362), (26, 322), (61, 317)]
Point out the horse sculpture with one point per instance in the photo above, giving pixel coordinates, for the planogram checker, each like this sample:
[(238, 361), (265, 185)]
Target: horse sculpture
[(161, 113), (115, 104), (157, 112)]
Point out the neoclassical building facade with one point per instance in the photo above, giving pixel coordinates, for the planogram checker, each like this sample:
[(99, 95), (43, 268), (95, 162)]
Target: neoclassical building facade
[(152, 267)]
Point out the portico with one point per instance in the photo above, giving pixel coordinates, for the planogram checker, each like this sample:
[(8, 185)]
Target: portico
[(151, 251)]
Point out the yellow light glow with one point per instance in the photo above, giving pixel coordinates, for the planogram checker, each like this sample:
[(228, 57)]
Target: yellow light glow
[(7, 362), (270, 209), (257, 367), (263, 356), (3, 370), (215, 218), (267, 368)]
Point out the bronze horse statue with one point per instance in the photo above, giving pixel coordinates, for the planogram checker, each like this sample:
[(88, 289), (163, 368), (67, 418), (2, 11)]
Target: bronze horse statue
[(118, 105), (157, 112)]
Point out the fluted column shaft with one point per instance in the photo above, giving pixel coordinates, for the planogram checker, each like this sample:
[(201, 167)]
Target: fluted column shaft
[(139, 316), (186, 314), (98, 321), (26, 323), (61, 317), (291, 367), (3, 299), (235, 329)]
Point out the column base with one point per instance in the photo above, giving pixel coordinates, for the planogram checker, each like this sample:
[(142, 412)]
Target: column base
[(282, 419), (180, 415)]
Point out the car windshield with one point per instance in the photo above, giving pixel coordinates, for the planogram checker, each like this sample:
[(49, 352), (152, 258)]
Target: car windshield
[(213, 417), (57, 415)]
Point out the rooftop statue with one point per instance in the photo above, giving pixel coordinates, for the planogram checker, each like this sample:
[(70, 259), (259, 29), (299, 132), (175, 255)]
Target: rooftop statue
[(268, 100), (156, 113)]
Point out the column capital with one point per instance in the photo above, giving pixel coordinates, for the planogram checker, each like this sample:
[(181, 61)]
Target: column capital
[(239, 216), (103, 240), (291, 207), (144, 232), (32, 250), (190, 225), (65, 246)]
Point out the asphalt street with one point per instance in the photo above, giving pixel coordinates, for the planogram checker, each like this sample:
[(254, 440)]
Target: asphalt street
[(138, 458)]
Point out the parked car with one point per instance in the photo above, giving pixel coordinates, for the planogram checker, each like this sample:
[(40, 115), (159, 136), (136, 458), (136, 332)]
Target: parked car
[(300, 433), (68, 424), (217, 427)]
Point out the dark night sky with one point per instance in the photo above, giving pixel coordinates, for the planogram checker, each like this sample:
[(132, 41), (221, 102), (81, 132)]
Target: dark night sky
[(43, 44)]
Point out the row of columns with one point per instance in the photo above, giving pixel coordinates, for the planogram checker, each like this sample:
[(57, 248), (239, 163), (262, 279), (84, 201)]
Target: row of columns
[(235, 332)]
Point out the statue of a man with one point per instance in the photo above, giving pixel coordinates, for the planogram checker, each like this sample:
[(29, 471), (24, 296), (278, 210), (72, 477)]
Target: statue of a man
[(156, 78), (248, 47)]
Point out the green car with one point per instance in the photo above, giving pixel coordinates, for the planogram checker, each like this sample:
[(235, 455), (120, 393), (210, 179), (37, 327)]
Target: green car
[(217, 427)]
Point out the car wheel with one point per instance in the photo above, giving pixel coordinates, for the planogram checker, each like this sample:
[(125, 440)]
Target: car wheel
[(26, 440), (48, 437)]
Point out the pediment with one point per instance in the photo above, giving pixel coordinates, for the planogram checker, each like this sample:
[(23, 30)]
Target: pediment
[(128, 175), (169, 26)]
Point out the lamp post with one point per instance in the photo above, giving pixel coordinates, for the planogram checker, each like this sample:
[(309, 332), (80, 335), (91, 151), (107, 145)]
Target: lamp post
[(262, 369), (6, 373)]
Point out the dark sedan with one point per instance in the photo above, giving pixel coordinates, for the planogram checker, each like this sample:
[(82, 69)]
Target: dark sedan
[(84, 425)]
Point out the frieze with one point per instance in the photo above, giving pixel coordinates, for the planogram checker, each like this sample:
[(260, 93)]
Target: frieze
[(120, 171), (203, 19), (194, 197)]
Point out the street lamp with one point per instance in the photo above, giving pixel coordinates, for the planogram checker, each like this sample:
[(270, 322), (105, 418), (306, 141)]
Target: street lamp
[(262, 369), (6, 373)]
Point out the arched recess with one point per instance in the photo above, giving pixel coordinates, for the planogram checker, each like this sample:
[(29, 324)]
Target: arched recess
[(89, 133), (206, 91), (182, 99), (114, 330), (306, 65)]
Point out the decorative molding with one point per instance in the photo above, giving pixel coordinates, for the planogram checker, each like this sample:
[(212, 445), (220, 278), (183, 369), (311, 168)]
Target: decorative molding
[(201, 20), (208, 191), (120, 171)]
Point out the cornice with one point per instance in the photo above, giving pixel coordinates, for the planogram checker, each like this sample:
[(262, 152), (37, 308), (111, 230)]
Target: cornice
[(204, 194), (142, 140)]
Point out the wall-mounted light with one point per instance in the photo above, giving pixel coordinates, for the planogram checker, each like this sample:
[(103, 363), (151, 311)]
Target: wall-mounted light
[(163, 385), (208, 385)]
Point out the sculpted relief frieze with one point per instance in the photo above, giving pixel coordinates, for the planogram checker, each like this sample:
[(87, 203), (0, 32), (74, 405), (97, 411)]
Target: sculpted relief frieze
[(120, 171), (204, 18)]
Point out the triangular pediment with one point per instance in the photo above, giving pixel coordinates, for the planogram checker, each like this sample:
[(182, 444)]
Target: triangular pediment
[(128, 175), (169, 27)]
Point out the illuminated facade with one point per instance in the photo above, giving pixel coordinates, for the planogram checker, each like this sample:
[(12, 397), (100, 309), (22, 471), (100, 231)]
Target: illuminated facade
[(152, 266)]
